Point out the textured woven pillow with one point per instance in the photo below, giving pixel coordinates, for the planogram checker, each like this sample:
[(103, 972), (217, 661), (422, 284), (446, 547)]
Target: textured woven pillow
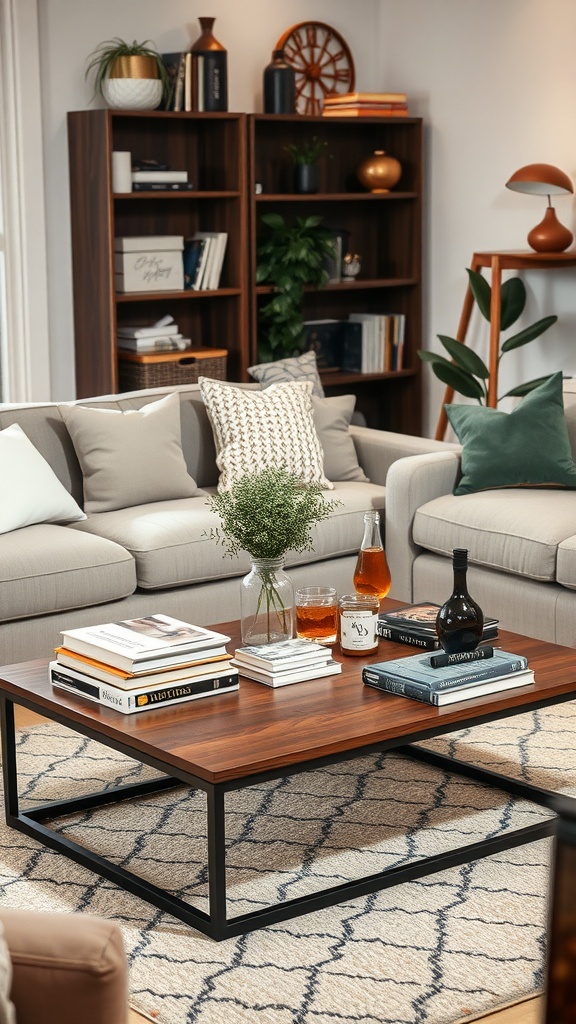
[(332, 418), (255, 430), (528, 447), (129, 458), (31, 491), (296, 368)]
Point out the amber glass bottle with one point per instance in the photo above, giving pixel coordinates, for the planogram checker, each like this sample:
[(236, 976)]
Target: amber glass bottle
[(460, 620), (372, 575)]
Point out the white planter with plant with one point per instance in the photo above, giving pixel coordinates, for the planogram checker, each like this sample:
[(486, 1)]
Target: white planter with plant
[(129, 76)]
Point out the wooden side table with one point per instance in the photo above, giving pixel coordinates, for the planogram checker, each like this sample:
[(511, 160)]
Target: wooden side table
[(498, 261)]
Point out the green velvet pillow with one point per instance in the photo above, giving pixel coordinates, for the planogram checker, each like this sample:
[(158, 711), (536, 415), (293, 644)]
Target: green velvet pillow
[(528, 447)]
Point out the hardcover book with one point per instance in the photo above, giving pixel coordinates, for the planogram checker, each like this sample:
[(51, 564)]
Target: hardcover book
[(416, 691), (132, 680), (294, 675), (282, 655), (420, 618), (417, 669)]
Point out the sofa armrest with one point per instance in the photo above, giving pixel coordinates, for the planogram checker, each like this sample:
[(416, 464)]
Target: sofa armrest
[(411, 483), (378, 449), (66, 968)]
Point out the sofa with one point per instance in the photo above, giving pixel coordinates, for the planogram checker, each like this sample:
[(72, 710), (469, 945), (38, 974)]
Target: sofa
[(58, 968), (131, 545), (521, 540)]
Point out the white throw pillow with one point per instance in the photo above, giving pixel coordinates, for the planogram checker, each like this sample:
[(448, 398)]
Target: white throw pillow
[(31, 491), (129, 458), (255, 430), (302, 367)]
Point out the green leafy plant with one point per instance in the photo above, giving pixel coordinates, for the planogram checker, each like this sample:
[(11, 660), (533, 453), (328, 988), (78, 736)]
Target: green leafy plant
[(269, 513), (289, 257), (307, 152), (467, 373), (103, 57)]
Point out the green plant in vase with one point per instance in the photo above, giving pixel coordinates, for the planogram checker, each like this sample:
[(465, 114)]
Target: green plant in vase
[(305, 156), (468, 373), (267, 514), (117, 65), (289, 257)]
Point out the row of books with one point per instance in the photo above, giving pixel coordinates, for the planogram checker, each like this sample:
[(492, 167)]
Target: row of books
[(289, 661), (203, 259), (380, 346), (366, 104), (197, 80), (162, 336), (139, 664)]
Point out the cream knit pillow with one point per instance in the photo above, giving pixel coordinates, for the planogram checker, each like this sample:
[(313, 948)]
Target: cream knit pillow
[(255, 430)]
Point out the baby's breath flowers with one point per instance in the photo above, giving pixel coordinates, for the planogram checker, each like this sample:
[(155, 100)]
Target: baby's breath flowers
[(269, 513)]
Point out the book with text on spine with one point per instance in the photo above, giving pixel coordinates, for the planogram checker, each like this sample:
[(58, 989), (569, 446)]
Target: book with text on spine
[(132, 680), (460, 692), (278, 657), (310, 670), (130, 701), (426, 641), (420, 618), (417, 669)]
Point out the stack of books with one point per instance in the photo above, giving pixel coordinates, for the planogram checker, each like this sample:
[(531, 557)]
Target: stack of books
[(415, 677), (415, 624), (162, 336), (203, 259), (150, 176), (139, 664), (290, 661), (366, 104), (380, 345)]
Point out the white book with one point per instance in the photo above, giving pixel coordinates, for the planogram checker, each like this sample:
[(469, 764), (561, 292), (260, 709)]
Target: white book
[(162, 342), (164, 326), (219, 258), (148, 243), (188, 82), (283, 654), (207, 281), (129, 702), (133, 680), (367, 321), (150, 641), (167, 176), (331, 668)]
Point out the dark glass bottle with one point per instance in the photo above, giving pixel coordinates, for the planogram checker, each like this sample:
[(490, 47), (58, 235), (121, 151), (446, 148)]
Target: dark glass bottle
[(210, 70), (460, 620), (279, 82)]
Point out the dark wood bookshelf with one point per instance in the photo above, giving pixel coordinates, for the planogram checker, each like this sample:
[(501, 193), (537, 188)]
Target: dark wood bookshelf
[(385, 229), (212, 148)]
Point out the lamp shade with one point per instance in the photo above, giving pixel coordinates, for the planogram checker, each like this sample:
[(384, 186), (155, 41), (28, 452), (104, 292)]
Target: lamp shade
[(541, 180)]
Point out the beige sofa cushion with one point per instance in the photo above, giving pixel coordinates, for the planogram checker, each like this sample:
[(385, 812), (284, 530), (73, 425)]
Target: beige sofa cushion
[(47, 568), (172, 546), (517, 531)]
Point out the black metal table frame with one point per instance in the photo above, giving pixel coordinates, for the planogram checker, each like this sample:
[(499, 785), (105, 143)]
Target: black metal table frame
[(215, 923)]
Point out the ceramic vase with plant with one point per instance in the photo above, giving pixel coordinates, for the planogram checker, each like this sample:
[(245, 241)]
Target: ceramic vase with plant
[(305, 156), (267, 514), (129, 76)]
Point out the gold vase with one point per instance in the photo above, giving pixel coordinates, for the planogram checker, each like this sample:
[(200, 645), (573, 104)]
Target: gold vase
[(379, 172)]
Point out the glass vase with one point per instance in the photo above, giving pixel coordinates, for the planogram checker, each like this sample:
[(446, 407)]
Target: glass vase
[(266, 603)]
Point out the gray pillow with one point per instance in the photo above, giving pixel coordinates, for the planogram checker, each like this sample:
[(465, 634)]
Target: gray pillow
[(129, 458), (332, 418), (295, 368)]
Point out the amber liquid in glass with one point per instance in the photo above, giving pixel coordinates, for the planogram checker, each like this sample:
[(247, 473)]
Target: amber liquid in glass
[(372, 575), (317, 622)]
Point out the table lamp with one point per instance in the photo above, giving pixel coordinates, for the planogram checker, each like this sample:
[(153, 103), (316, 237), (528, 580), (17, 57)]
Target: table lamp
[(544, 180)]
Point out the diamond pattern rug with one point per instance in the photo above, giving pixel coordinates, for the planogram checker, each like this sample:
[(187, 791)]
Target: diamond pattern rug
[(435, 950)]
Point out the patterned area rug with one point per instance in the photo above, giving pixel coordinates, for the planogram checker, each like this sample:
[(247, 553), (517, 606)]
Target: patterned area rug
[(435, 950)]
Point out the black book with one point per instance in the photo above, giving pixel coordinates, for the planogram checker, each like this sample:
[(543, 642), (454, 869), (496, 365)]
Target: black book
[(426, 641), (420, 618), (162, 186)]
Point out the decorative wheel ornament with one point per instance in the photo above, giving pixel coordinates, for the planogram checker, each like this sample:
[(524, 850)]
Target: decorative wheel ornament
[(322, 63)]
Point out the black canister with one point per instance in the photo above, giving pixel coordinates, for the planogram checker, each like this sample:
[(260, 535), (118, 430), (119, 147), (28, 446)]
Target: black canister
[(279, 86)]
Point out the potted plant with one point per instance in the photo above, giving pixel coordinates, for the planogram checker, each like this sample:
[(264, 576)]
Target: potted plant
[(128, 75), (267, 514), (305, 156), (468, 373), (289, 257)]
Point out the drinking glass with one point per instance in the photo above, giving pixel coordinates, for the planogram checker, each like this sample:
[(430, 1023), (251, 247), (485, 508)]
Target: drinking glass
[(317, 614)]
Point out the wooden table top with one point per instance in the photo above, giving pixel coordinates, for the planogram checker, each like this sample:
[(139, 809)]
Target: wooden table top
[(259, 728)]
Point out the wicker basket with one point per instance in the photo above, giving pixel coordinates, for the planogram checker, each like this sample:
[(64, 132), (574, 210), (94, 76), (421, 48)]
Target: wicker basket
[(162, 369)]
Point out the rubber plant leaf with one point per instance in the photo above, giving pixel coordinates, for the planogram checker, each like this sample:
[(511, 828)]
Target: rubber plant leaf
[(529, 333), (453, 376), (465, 357), (481, 291), (512, 302), (524, 389)]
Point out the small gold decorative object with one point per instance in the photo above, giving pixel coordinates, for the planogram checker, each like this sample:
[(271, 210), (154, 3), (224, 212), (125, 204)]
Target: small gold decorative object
[(351, 264), (379, 172)]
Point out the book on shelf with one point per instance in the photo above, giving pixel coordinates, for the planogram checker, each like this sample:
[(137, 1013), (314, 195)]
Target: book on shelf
[(379, 348), (152, 641), (337, 99), (327, 338), (329, 104), (165, 326), (143, 699), (358, 112), (148, 243), (426, 641), (308, 671), (173, 62), (171, 343), (282, 655), (163, 186), (161, 176), (202, 666), (417, 669), (440, 698), (194, 257), (216, 248)]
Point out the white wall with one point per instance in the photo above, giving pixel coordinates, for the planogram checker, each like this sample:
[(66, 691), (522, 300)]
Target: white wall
[(495, 82)]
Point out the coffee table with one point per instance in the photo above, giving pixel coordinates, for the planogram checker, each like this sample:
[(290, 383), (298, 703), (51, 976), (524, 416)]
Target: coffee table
[(258, 733)]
